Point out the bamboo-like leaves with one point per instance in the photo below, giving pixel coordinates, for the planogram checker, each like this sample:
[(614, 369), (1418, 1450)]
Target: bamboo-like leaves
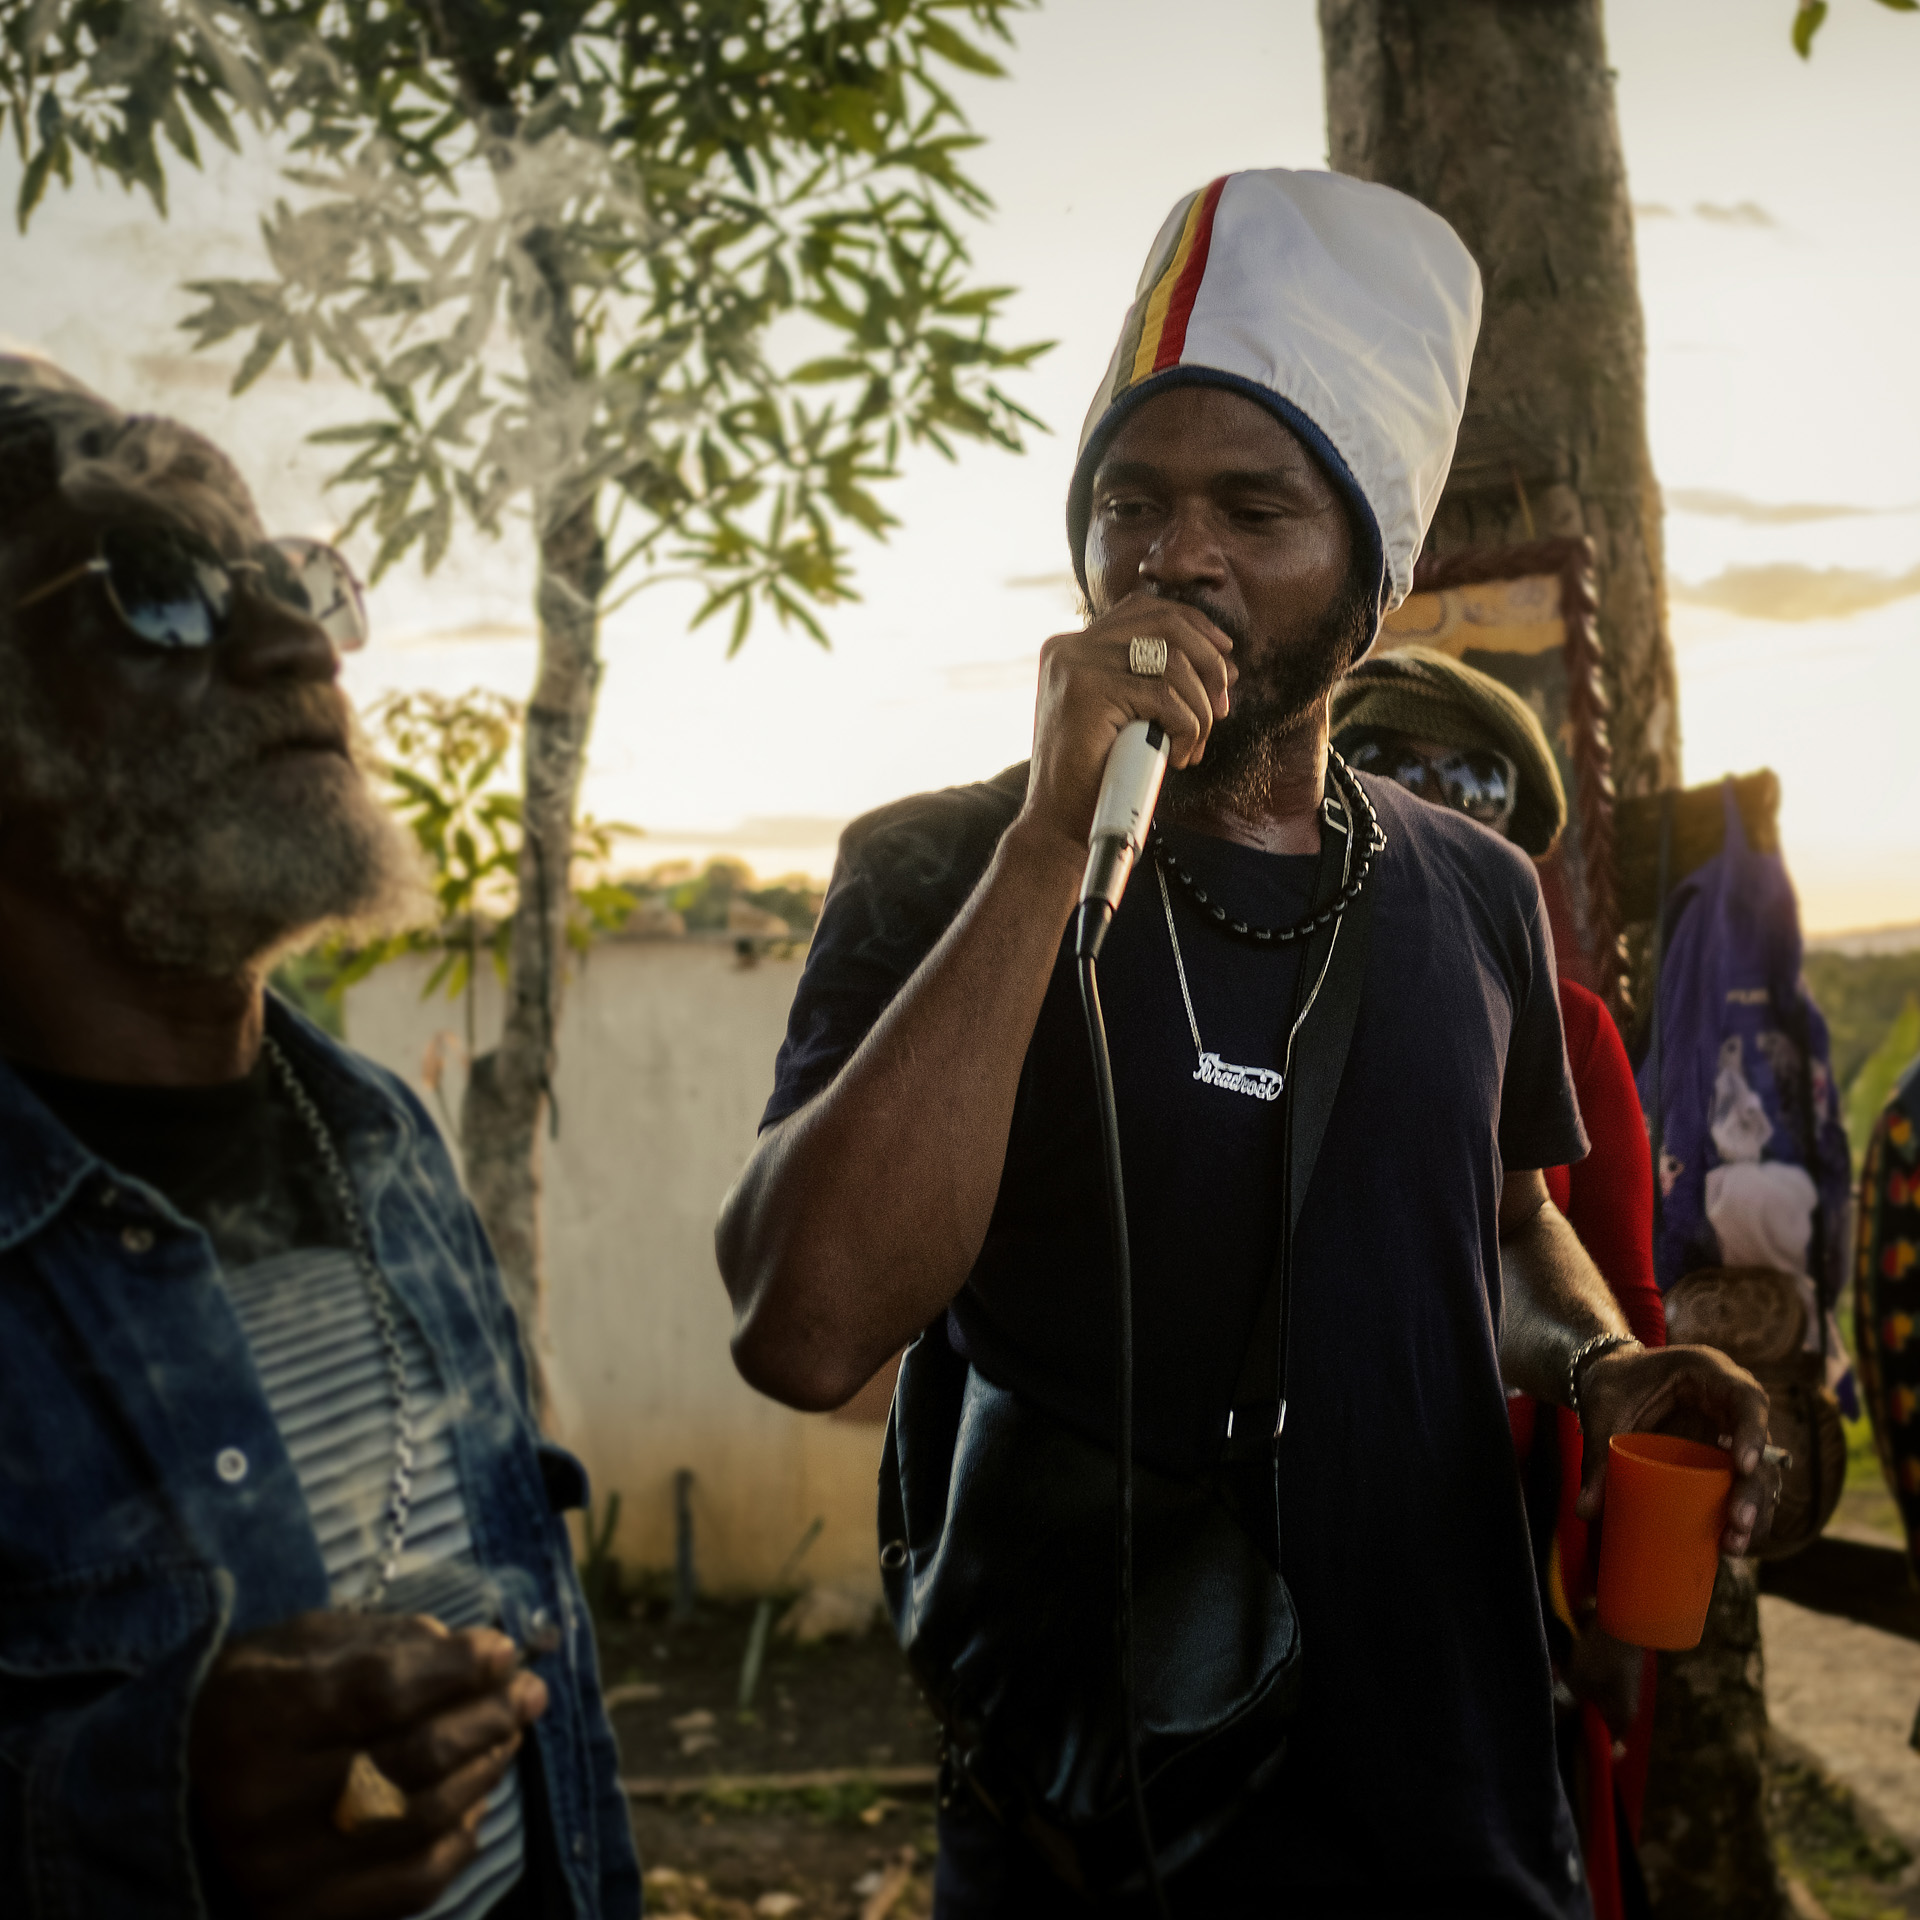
[(1810, 16), (448, 774), (687, 178)]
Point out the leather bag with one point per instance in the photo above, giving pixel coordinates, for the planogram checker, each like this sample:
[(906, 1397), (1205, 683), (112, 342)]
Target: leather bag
[(997, 1531), (1757, 1317)]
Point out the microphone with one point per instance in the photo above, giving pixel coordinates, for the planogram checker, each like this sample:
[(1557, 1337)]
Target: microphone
[(1128, 791)]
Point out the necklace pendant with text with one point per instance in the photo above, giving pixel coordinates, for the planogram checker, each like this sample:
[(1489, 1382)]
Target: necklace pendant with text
[(1258, 1083)]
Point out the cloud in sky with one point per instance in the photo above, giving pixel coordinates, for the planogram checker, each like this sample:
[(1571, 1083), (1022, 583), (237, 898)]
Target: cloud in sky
[(1788, 591), (1766, 513), (464, 635), (1744, 213)]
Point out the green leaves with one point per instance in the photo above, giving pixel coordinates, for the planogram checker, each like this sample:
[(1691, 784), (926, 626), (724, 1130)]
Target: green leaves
[(448, 774), (104, 81), (699, 264), (935, 37), (1812, 14)]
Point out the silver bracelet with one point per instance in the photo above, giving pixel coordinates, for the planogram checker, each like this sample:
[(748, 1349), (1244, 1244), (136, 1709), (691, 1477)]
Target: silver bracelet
[(1591, 1350)]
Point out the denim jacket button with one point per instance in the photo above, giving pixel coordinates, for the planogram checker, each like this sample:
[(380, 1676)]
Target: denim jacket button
[(137, 1239), (231, 1465)]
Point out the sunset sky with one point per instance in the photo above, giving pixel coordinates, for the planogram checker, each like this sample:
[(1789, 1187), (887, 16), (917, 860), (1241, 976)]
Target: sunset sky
[(1781, 285)]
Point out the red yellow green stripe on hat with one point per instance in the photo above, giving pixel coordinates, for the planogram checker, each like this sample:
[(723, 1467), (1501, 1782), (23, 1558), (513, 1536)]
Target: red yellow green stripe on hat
[(1157, 327), (1346, 309)]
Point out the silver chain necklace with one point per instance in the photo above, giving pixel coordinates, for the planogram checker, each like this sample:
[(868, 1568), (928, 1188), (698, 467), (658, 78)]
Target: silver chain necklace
[(385, 1320), (1258, 1083)]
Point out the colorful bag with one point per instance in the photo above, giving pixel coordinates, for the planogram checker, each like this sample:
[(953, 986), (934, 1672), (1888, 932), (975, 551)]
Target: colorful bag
[(1887, 1300), (1737, 1087)]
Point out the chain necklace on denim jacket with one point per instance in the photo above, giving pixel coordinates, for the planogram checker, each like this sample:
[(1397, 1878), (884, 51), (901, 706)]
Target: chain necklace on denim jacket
[(385, 1319)]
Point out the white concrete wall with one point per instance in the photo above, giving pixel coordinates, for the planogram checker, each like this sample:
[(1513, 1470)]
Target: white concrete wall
[(666, 1059)]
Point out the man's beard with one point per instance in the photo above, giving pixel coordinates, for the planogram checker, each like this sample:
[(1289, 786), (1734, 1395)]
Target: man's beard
[(1246, 751), (174, 844)]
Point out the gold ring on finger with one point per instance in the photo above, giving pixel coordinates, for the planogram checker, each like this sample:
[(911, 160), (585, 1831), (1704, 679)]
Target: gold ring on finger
[(1147, 656), (367, 1796)]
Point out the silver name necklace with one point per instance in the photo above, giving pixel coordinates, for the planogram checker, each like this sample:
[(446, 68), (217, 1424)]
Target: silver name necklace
[(385, 1320), (1258, 1083)]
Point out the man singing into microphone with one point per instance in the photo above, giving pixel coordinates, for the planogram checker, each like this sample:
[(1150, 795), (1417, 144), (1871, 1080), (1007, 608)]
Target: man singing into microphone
[(1255, 480)]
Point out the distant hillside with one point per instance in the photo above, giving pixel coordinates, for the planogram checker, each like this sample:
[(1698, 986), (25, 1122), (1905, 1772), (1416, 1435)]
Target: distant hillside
[(1861, 995)]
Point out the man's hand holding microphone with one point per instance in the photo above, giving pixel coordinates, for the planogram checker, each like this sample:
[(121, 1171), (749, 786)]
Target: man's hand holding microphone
[(859, 1217), (1098, 681)]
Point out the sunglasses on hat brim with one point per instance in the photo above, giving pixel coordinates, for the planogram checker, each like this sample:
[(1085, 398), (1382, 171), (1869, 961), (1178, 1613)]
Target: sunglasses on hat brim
[(1480, 782), (175, 590)]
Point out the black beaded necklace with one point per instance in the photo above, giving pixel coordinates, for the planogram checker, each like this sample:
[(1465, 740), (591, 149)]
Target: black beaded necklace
[(1354, 797)]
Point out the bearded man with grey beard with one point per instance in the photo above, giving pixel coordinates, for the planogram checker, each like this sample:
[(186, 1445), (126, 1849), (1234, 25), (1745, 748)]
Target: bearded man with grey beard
[(288, 1620)]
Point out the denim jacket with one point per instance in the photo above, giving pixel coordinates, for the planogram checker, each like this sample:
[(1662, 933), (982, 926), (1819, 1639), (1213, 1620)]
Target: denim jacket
[(127, 1559)]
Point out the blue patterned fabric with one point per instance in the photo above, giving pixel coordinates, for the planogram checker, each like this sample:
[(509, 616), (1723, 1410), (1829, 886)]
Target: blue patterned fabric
[(1886, 1301), (1738, 1088), (150, 1509)]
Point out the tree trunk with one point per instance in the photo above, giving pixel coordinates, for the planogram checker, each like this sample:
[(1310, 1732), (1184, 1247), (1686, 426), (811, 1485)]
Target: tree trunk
[(1705, 1845), (1499, 115), (510, 1088)]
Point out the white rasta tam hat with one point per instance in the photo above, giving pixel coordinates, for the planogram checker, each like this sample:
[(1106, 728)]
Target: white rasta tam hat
[(1346, 308)]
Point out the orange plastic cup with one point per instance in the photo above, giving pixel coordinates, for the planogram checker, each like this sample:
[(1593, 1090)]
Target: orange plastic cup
[(1660, 1538)]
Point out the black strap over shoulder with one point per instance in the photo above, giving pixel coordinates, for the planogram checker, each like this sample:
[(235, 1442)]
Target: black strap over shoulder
[(999, 1527), (1253, 1423)]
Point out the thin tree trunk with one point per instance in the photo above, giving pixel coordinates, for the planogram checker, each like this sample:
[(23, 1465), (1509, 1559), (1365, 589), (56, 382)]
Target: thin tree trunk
[(510, 1089), (1499, 115)]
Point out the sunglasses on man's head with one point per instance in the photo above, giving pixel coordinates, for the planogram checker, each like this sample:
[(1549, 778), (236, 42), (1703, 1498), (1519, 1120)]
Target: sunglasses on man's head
[(1477, 781), (174, 589)]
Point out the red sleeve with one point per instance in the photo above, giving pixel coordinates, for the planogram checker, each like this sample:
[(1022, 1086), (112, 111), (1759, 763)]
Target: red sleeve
[(1610, 1192)]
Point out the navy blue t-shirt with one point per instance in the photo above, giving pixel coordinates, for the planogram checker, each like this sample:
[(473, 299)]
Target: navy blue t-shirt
[(1423, 1753)]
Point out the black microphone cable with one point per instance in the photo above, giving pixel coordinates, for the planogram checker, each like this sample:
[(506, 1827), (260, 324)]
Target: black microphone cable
[(1089, 931), (1122, 819)]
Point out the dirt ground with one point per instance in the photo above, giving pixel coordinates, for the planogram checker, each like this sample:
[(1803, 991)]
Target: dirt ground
[(858, 1844), (842, 1703), (1843, 1696), (722, 1862)]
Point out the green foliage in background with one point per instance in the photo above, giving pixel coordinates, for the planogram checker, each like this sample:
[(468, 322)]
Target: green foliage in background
[(305, 981), (670, 182), (1865, 998), (1853, 1871), (702, 899), (1874, 1083), (445, 763), (1861, 996), (1811, 16)]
